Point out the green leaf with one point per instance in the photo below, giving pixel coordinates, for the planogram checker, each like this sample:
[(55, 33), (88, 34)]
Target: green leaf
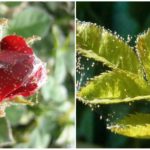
[(69, 54), (31, 21), (69, 61), (39, 138), (96, 42), (58, 37), (87, 125), (114, 87), (143, 48), (60, 67), (10, 4), (134, 125), (15, 113), (6, 137), (54, 91)]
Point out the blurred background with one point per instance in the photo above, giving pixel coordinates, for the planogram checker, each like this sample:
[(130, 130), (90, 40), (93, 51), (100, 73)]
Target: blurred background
[(125, 18), (50, 122)]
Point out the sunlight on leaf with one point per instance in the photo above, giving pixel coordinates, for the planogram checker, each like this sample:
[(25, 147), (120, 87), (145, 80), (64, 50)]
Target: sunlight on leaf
[(143, 48), (127, 81), (135, 125), (96, 42), (114, 87)]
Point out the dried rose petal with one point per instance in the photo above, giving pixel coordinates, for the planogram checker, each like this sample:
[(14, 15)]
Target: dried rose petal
[(21, 72)]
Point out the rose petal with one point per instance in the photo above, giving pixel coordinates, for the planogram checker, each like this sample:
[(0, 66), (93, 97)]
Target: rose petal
[(15, 43), (36, 80), (24, 91), (15, 69)]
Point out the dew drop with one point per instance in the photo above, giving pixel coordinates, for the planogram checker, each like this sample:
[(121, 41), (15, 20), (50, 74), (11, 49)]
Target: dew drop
[(101, 117), (90, 105), (121, 58), (107, 120), (130, 104)]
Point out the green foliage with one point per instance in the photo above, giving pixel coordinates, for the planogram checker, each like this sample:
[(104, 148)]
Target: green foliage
[(143, 48), (126, 18), (114, 87), (6, 133), (128, 79), (135, 125), (28, 21), (95, 42), (126, 75), (43, 124)]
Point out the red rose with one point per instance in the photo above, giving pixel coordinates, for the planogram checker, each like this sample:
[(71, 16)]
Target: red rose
[(21, 72)]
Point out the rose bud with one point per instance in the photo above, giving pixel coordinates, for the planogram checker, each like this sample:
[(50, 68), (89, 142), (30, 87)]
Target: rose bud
[(22, 73)]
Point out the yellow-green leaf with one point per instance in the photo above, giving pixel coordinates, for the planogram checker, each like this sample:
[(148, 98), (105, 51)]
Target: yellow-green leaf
[(96, 42), (114, 87), (143, 48), (135, 125)]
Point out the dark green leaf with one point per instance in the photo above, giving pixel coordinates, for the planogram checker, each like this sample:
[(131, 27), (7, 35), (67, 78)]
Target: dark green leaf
[(31, 21)]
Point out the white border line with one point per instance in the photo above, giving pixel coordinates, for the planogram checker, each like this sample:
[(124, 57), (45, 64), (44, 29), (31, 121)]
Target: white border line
[(74, 1), (75, 75)]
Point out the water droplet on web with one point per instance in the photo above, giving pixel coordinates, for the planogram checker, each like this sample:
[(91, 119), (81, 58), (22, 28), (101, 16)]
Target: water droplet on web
[(101, 117), (90, 105), (130, 104), (125, 90), (88, 79), (107, 120), (93, 64), (129, 38), (2, 66), (98, 106), (121, 58), (3, 106)]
